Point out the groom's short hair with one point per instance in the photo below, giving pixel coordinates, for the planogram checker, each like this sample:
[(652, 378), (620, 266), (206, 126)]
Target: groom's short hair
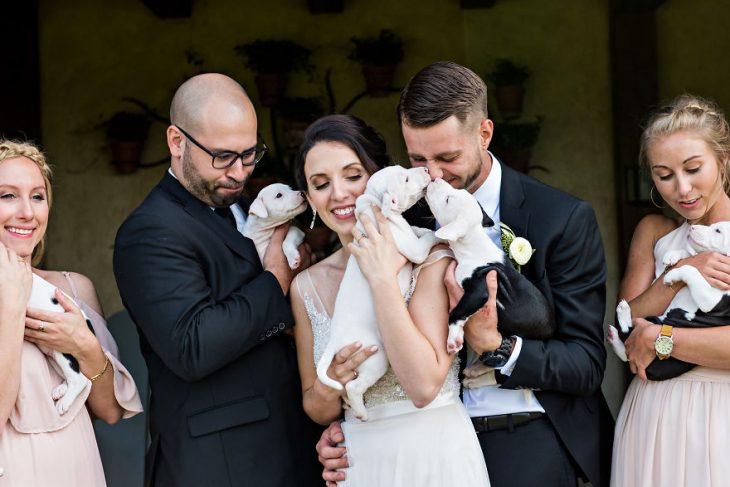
[(440, 90)]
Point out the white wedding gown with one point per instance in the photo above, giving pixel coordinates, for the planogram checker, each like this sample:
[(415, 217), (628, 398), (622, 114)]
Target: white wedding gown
[(401, 445)]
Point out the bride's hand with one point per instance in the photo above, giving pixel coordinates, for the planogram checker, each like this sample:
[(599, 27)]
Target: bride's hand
[(344, 364), (375, 251)]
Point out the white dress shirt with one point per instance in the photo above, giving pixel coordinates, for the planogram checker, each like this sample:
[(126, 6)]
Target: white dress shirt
[(491, 400)]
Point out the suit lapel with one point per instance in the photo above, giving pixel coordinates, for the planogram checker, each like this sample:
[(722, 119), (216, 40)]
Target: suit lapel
[(511, 200), (218, 227)]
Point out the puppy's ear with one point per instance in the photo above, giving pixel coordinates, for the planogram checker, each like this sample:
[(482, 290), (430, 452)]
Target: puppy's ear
[(258, 208), (388, 203), (486, 221)]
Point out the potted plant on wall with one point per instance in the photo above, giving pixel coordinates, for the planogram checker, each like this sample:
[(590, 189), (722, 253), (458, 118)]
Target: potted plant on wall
[(127, 133), (513, 142), (378, 56), (508, 81), (272, 60)]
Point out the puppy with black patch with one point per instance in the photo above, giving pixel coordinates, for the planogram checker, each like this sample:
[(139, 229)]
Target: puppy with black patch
[(697, 305), (522, 309), (275, 205), (43, 297)]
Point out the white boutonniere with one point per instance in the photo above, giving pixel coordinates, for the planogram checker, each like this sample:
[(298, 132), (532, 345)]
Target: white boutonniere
[(518, 249)]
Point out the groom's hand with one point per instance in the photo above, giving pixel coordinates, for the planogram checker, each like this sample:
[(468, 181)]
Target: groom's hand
[(480, 330), (331, 456), (275, 260)]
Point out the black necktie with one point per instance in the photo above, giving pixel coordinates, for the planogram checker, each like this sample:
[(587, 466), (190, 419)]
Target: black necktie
[(227, 215)]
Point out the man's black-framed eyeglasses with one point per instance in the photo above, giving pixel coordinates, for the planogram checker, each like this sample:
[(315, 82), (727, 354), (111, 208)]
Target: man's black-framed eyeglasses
[(227, 158)]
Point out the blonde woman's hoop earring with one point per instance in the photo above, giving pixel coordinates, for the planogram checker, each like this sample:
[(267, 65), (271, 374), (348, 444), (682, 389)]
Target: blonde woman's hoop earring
[(651, 197), (314, 218)]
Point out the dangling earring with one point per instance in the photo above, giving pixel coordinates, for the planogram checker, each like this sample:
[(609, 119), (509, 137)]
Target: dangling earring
[(651, 197), (314, 218)]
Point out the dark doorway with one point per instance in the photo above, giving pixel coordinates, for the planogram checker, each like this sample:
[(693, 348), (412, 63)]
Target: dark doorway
[(20, 81)]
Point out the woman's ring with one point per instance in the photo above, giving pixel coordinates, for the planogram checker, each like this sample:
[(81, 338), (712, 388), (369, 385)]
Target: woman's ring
[(42, 327), (355, 373)]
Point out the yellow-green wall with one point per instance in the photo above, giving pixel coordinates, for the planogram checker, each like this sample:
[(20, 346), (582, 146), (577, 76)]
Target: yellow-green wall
[(95, 53)]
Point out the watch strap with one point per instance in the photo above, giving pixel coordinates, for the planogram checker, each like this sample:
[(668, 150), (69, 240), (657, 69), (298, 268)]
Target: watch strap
[(500, 356)]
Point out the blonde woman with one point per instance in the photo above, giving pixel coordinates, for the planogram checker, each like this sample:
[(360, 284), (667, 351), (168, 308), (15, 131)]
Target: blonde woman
[(676, 432), (38, 445)]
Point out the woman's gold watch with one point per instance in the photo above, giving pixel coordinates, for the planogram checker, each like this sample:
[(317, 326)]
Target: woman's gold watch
[(664, 342)]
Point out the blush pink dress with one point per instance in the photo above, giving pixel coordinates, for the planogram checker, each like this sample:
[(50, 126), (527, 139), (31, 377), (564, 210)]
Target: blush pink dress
[(40, 447), (674, 432)]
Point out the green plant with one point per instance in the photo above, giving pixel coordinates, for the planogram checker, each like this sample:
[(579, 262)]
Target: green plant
[(385, 49), (274, 56), (301, 109), (126, 126), (506, 73), (515, 136)]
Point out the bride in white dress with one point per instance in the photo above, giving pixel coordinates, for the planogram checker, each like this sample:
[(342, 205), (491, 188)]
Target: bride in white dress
[(418, 432)]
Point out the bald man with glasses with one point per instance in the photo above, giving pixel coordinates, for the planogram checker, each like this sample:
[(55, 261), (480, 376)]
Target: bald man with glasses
[(226, 405)]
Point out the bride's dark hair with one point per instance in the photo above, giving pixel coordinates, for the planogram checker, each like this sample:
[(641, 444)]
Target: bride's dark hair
[(350, 131)]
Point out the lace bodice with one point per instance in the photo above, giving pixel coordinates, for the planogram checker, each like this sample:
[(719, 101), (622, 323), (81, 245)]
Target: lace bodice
[(387, 389)]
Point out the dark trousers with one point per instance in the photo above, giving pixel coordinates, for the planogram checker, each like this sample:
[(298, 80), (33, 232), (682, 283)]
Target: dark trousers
[(531, 454)]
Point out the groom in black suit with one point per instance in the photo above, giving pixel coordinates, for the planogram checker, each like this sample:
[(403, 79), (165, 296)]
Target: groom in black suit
[(545, 421), (226, 406)]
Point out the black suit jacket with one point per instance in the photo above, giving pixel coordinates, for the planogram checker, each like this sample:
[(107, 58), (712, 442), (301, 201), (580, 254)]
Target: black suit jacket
[(226, 399), (569, 268)]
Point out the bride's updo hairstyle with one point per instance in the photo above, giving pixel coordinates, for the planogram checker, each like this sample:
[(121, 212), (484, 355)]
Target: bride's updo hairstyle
[(349, 131), (690, 112)]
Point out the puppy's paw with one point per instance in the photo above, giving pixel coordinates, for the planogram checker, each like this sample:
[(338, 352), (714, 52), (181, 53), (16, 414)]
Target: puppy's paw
[(294, 261), (623, 313), (681, 274), (456, 338), (613, 339), (59, 391), (674, 256)]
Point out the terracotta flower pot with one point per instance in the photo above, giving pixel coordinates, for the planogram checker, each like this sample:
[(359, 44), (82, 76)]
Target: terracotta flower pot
[(126, 154), (509, 100), (270, 87), (378, 79)]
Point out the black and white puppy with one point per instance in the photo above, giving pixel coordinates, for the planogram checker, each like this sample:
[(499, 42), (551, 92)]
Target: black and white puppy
[(522, 309), (43, 297), (697, 305)]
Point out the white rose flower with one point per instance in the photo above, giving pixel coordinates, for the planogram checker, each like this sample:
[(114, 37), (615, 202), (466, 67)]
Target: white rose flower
[(520, 250)]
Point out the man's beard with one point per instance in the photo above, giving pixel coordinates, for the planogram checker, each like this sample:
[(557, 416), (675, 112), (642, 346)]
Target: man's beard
[(206, 190), (472, 178)]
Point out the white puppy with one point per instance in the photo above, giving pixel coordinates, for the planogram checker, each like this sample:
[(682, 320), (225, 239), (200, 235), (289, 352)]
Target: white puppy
[(276, 204), (394, 189), (42, 297), (697, 295)]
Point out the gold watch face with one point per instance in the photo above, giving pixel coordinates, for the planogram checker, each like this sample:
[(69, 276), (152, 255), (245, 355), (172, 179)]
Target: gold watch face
[(663, 346)]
